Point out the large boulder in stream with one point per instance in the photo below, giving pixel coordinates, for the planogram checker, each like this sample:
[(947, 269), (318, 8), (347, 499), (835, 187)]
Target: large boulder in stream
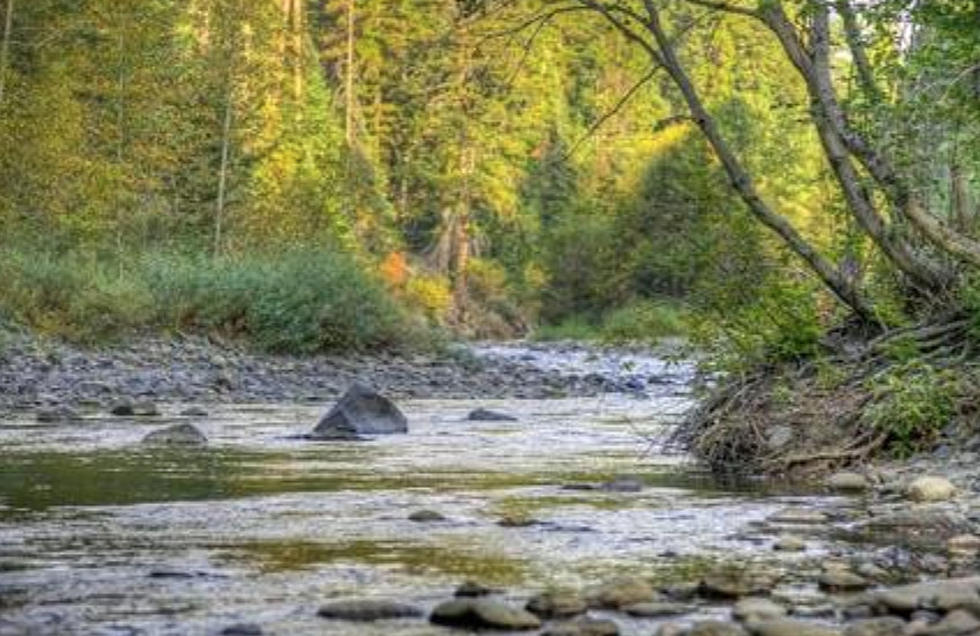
[(361, 411), (176, 435)]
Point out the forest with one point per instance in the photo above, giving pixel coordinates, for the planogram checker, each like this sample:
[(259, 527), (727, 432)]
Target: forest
[(352, 174)]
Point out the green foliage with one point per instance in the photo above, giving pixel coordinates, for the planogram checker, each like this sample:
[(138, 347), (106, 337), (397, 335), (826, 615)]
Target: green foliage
[(643, 321), (912, 403), (302, 301)]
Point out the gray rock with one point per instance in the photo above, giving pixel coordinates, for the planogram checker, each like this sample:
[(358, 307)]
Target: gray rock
[(847, 482), (956, 623), (583, 626), (194, 411), (481, 613), (790, 627), (948, 594), (176, 435), (56, 414), (963, 545), (839, 580), (123, 408), (621, 592), (778, 436), (881, 626), (425, 515), (361, 411), (757, 609), (716, 628), (557, 604), (242, 629), (930, 488), (657, 609), (671, 629), (368, 610), (486, 415), (789, 544), (731, 584), (470, 589)]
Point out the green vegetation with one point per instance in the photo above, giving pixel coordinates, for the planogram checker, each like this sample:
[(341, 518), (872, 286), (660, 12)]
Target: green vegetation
[(300, 301)]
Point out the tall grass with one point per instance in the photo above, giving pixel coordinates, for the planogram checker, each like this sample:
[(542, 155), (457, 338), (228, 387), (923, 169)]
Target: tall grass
[(300, 301)]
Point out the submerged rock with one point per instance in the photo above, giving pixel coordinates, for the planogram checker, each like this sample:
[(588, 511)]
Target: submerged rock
[(57, 414), (930, 488), (242, 629), (177, 435), (557, 604), (425, 515), (481, 613), (128, 408), (361, 411), (368, 609), (486, 415)]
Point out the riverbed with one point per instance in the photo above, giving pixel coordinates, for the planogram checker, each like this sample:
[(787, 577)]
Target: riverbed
[(100, 534)]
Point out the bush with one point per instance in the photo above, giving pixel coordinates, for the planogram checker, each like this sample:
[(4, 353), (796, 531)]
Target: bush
[(912, 403), (643, 320), (303, 301)]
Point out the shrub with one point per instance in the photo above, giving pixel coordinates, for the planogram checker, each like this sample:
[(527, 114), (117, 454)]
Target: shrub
[(643, 320)]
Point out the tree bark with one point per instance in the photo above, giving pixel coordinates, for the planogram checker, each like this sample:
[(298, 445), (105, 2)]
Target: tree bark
[(223, 173), (844, 289), (855, 43), (8, 23)]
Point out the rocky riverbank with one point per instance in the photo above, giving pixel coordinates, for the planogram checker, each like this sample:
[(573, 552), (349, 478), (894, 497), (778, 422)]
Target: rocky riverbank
[(38, 373)]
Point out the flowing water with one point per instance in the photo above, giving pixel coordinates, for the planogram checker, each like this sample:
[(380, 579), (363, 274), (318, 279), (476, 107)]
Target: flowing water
[(100, 535)]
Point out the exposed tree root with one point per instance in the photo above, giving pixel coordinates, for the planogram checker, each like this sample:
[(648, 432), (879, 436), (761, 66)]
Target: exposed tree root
[(809, 416)]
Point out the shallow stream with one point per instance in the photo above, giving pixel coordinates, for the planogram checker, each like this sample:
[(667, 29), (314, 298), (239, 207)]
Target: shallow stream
[(101, 535)]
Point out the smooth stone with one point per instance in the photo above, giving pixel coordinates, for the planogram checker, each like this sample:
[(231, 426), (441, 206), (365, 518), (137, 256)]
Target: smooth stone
[(194, 411), (176, 435), (653, 609), (621, 592), (956, 623), (361, 411), (368, 610), (471, 589), (789, 544), (790, 627), (963, 545), (730, 584), (557, 604), (757, 609), (841, 581), (716, 628), (483, 613), (123, 408), (486, 415), (57, 414), (422, 516), (930, 488), (672, 629), (943, 594), (242, 629), (880, 626), (583, 626), (798, 516), (845, 481), (623, 484)]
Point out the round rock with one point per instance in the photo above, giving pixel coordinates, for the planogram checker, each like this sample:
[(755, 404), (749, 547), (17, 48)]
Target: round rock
[(176, 435), (368, 609), (584, 626), (930, 488), (557, 604), (845, 481), (757, 609), (481, 613)]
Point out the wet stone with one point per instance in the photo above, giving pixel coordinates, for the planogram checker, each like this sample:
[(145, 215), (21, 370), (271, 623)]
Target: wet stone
[(483, 614), (731, 584), (194, 411), (841, 581), (956, 623), (881, 626), (472, 589), (621, 592), (176, 435), (368, 610), (242, 629), (557, 604), (790, 627), (584, 626), (716, 628), (789, 544), (756, 609), (486, 415), (57, 414), (425, 515)]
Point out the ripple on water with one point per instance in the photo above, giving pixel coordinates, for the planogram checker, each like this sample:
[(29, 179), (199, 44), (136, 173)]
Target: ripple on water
[(99, 533)]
